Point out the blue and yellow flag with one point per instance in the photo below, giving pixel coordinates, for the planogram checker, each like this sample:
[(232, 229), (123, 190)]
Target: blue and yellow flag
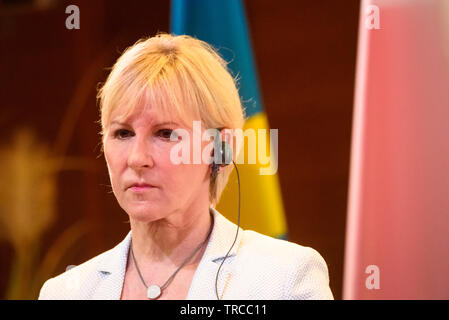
[(223, 25)]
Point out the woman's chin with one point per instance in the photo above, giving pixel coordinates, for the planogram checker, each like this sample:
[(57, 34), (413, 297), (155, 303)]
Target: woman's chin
[(144, 212)]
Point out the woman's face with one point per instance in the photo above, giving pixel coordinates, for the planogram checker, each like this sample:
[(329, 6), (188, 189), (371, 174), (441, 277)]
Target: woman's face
[(137, 151)]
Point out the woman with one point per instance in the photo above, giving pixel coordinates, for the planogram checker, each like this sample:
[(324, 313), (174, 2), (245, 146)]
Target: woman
[(178, 240)]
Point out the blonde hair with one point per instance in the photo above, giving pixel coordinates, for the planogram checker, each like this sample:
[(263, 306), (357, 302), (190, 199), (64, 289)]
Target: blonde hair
[(181, 76)]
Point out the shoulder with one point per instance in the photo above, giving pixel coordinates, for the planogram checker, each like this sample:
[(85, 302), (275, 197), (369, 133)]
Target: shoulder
[(301, 271), (277, 249), (81, 282), (270, 268), (74, 283)]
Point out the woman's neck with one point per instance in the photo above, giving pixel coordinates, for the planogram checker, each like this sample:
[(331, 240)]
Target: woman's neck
[(171, 240)]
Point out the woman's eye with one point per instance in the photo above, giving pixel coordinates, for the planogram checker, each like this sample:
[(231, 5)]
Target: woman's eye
[(165, 133), (121, 133)]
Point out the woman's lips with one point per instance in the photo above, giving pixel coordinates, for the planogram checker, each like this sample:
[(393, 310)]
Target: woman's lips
[(141, 187)]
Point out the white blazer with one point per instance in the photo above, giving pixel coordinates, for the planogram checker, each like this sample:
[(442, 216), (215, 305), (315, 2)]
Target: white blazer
[(258, 267)]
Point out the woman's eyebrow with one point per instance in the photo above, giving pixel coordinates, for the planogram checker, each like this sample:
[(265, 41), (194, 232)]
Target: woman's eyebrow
[(166, 123), (159, 124), (119, 123)]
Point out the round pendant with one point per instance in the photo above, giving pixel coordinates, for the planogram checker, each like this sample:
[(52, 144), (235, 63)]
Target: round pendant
[(153, 292)]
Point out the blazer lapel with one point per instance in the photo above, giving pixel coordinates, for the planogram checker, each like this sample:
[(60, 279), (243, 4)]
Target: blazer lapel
[(221, 239), (112, 271)]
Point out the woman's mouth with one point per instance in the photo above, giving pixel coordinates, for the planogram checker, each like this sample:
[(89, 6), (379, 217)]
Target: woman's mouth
[(139, 187)]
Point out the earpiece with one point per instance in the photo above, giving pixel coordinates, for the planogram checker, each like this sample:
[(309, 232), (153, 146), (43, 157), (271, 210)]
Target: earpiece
[(222, 154)]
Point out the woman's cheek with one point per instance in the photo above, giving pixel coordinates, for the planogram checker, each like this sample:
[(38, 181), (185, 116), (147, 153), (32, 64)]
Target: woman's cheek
[(119, 153)]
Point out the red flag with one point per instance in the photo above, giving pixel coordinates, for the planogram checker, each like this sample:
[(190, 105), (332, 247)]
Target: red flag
[(397, 244)]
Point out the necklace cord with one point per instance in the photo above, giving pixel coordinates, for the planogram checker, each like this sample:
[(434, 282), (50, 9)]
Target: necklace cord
[(179, 268)]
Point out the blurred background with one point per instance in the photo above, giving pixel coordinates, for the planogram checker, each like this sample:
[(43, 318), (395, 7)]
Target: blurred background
[(56, 204), (59, 212)]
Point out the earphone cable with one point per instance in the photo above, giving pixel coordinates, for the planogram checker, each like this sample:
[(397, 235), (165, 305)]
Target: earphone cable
[(236, 235)]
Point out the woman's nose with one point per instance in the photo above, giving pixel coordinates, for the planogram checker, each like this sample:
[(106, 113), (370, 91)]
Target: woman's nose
[(140, 154)]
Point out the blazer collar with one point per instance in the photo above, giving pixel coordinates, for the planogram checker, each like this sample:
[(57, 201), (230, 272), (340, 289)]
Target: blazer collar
[(205, 277), (112, 269), (113, 265), (221, 238)]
